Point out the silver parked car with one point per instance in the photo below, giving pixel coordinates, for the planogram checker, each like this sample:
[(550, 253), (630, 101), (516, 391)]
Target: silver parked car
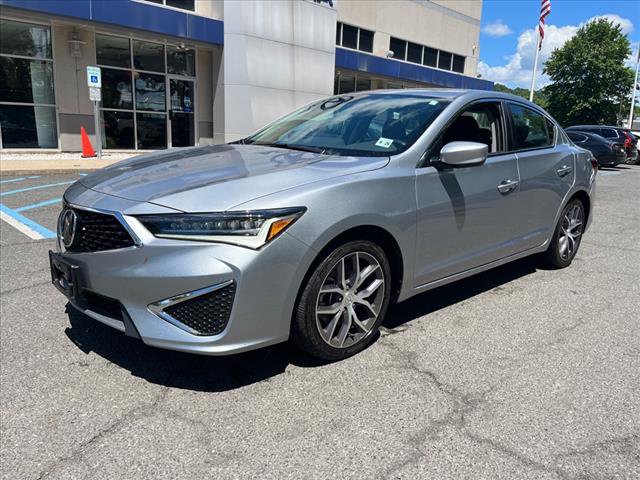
[(309, 229)]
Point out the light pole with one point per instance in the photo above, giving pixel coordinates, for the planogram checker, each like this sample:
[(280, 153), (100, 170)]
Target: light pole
[(633, 90)]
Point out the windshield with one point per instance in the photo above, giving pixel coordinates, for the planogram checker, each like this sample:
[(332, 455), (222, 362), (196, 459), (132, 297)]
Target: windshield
[(366, 125)]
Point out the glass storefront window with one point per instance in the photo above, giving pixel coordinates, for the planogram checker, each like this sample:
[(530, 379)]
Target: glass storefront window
[(181, 61), (113, 51), (150, 92), (25, 39), (366, 40), (346, 84), (27, 101), (363, 84), (349, 36), (26, 81), (458, 64), (444, 61), (148, 56), (152, 130), (398, 47), (116, 89), (414, 53), (28, 126), (430, 57), (184, 4), (137, 111), (117, 130)]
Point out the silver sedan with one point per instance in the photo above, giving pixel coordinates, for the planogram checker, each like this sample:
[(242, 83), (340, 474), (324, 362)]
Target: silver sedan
[(309, 229)]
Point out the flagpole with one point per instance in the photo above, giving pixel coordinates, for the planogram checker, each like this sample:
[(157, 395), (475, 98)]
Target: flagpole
[(633, 91), (535, 67)]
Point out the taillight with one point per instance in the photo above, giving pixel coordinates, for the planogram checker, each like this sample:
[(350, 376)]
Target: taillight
[(627, 140), (594, 164)]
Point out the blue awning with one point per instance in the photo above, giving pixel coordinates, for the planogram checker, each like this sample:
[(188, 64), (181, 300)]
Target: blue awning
[(137, 15), (364, 62)]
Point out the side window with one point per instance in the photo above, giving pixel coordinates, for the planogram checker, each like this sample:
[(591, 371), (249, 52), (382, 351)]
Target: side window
[(609, 133), (530, 128), (480, 123)]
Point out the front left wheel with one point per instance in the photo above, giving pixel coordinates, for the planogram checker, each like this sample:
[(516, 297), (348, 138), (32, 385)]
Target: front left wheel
[(343, 302)]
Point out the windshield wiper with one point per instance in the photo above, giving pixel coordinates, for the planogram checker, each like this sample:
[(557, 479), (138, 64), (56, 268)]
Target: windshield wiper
[(291, 146)]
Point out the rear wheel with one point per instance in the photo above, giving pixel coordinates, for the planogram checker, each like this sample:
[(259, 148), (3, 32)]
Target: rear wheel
[(343, 302), (567, 236)]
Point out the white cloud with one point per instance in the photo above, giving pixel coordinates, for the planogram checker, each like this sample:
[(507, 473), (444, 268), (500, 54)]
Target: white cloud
[(497, 29), (517, 70), (625, 23)]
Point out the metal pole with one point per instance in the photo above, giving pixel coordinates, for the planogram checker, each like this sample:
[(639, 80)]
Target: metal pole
[(98, 136), (633, 91), (535, 67)]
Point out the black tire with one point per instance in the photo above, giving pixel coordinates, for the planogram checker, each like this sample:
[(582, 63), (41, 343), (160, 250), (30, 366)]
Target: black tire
[(554, 257), (305, 334)]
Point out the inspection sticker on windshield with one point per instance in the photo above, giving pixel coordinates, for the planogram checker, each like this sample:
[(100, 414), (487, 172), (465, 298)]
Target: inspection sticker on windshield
[(384, 142)]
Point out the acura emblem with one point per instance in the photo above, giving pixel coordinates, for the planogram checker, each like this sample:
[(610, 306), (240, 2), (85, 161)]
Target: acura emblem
[(67, 227)]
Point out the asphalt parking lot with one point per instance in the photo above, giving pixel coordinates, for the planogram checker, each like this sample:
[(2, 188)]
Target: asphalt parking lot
[(516, 373)]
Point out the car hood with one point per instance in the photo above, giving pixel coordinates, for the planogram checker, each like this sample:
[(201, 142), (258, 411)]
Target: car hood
[(218, 177)]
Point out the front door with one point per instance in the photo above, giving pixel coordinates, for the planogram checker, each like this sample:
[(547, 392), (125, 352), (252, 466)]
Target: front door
[(467, 217), (182, 112)]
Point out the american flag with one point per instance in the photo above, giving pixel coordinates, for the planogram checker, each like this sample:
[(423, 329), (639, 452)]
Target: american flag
[(545, 9)]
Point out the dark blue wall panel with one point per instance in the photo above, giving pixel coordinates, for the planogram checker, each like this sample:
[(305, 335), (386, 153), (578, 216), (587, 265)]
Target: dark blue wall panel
[(126, 13), (364, 62)]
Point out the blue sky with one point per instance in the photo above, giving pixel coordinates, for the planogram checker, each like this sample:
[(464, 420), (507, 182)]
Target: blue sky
[(507, 38)]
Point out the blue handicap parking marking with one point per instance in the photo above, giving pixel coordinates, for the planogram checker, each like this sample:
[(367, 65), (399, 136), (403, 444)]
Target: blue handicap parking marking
[(39, 204), (37, 187), (19, 179), (28, 227), (25, 225)]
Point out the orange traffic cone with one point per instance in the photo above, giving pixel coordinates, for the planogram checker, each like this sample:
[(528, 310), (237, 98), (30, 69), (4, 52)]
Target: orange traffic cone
[(87, 149)]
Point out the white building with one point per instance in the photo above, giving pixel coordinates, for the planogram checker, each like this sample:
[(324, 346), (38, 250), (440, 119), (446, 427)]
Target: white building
[(194, 72)]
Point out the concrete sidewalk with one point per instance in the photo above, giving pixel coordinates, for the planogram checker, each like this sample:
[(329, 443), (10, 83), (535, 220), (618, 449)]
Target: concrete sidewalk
[(23, 163)]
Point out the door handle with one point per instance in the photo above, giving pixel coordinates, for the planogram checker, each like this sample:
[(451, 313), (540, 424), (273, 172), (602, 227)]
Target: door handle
[(507, 186), (564, 170)]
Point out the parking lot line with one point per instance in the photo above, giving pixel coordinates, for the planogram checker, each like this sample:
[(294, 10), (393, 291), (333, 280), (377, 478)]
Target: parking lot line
[(37, 187), (11, 180), (23, 224), (39, 204)]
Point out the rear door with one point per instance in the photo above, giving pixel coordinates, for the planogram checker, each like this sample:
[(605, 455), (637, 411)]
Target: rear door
[(547, 170)]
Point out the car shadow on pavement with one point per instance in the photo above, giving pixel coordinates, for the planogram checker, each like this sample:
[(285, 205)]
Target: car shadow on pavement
[(216, 374), (455, 292)]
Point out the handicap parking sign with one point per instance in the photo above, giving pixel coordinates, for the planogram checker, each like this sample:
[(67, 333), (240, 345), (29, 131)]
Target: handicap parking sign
[(94, 78)]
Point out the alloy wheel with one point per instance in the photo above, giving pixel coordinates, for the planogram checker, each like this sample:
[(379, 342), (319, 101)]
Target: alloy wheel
[(350, 299), (571, 227)]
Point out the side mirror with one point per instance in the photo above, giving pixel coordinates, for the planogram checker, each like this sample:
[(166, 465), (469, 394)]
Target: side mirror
[(464, 154)]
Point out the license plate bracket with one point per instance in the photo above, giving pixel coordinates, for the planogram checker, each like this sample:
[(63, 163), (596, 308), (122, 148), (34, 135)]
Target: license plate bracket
[(65, 276)]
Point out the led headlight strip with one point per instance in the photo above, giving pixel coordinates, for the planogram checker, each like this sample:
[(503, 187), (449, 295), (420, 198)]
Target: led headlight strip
[(251, 228)]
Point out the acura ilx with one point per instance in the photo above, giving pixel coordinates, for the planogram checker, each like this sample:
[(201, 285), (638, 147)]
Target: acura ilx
[(310, 228)]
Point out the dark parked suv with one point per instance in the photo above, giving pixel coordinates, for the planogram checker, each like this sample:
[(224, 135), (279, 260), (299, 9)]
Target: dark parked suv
[(606, 152), (614, 134)]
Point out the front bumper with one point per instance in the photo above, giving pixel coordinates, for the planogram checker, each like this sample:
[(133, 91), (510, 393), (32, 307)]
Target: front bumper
[(142, 277)]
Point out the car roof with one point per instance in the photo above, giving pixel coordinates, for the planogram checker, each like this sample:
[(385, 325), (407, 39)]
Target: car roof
[(451, 93), (578, 127), (591, 135)]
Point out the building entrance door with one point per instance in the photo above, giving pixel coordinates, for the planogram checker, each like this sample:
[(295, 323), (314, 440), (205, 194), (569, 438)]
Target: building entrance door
[(182, 112)]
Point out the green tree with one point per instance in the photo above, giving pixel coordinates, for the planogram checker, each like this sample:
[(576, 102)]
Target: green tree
[(589, 78)]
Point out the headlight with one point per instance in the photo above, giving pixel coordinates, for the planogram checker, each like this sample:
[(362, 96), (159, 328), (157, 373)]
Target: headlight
[(252, 228)]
